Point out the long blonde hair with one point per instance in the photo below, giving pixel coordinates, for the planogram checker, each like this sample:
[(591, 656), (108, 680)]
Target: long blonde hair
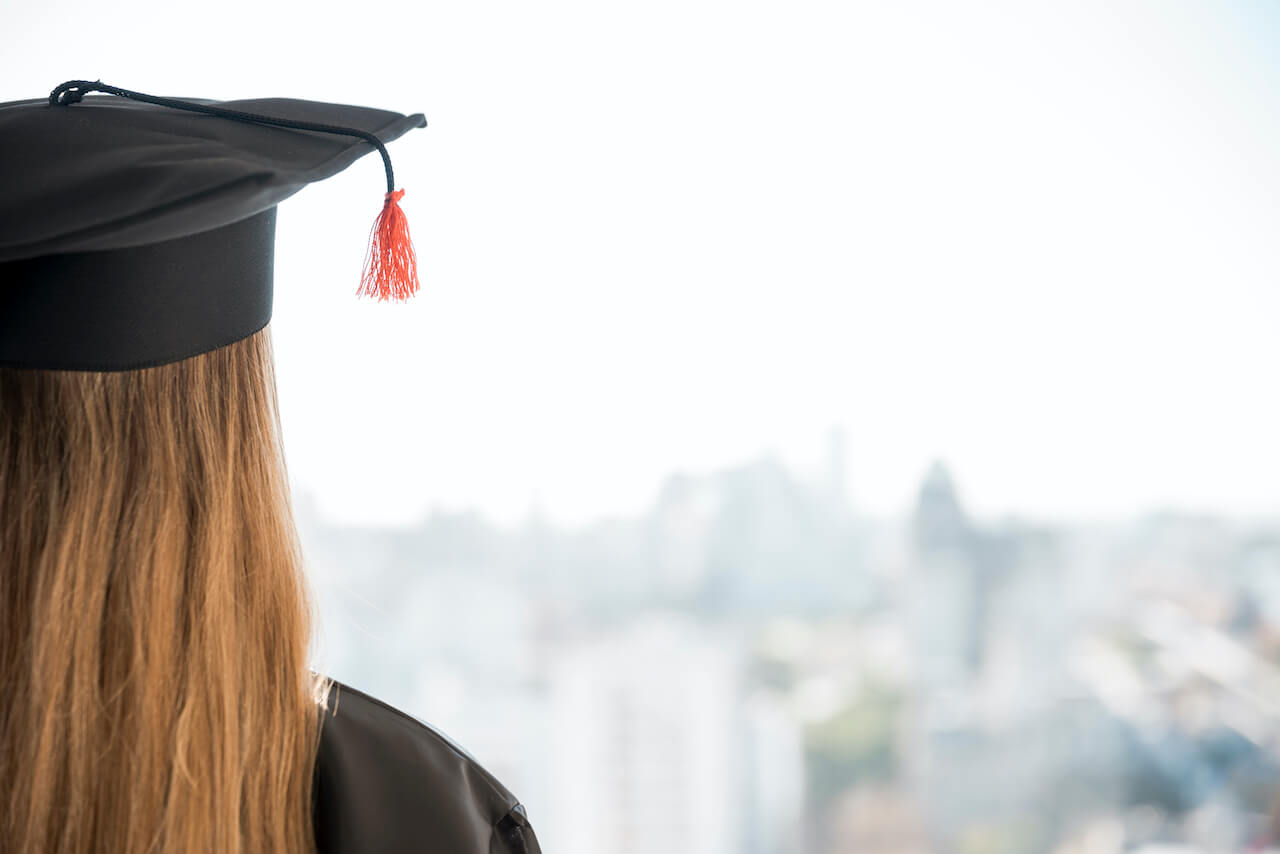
[(155, 624)]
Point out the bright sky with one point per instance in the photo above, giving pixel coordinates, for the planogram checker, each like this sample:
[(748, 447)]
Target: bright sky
[(1034, 239)]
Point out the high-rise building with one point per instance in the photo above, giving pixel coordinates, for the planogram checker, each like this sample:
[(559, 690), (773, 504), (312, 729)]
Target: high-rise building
[(646, 726), (943, 590)]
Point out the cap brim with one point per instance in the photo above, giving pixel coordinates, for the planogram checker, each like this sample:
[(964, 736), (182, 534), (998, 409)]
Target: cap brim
[(109, 173)]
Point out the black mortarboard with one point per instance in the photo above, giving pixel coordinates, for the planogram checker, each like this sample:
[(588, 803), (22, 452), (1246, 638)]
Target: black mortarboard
[(136, 231)]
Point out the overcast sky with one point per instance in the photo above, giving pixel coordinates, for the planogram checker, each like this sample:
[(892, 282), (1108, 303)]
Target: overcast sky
[(1037, 240)]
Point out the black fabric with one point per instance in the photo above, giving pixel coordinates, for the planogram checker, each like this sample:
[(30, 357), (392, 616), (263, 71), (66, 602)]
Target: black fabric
[(73, 92), (121, 309), (134, 234), (388, 783), (108, 172)]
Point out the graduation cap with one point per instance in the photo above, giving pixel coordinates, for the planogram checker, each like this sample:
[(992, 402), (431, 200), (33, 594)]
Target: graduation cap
[(137, 230)]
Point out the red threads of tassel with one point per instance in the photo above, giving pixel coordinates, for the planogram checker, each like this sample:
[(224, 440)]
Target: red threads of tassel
[(390, 266)]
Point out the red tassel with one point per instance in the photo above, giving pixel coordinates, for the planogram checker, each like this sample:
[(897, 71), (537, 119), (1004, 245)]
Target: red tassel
[(390, 266)]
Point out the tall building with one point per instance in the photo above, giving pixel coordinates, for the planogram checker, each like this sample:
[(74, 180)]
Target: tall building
[(943, 590), (941, 527), (646, 726), (837, 471)]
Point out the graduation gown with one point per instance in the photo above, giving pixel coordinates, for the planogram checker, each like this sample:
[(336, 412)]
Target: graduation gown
[(388, 783)]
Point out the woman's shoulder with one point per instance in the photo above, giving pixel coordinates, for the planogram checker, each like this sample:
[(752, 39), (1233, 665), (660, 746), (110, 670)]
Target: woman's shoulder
[(388, 782)]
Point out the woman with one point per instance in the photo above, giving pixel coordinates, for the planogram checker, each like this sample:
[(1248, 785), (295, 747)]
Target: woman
[(154, 615)]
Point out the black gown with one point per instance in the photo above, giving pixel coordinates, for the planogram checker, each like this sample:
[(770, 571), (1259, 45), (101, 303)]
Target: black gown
[(387, 783)]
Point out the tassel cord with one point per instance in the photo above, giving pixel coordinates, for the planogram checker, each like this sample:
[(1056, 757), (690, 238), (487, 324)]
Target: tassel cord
[(390, 265)]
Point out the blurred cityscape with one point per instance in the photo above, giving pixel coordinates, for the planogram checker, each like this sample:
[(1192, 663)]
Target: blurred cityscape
[(752, 667)]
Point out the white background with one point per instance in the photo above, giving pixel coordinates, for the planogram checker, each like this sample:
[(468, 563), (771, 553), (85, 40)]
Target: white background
[(1037, 240)]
